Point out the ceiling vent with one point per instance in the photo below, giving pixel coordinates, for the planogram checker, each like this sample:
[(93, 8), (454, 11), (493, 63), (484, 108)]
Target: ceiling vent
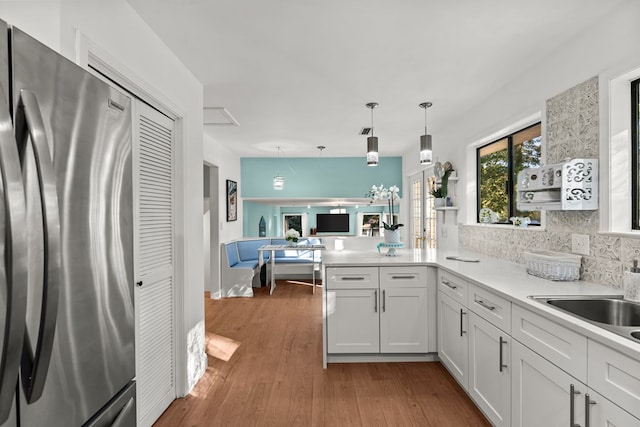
[(365, 131), (218, 116)]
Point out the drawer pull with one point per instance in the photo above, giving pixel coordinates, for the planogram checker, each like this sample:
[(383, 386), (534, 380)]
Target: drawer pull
[(485, 305), (448, 284), (352, 278), (403, 277)]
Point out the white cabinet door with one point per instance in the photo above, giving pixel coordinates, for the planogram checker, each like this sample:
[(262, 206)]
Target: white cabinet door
[(603, 413), (541, 392), (352, 321), (404, 320), (489, 370), (453, 341)]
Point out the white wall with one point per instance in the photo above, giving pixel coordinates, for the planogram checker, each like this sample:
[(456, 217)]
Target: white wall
[(607, 45), (138, 53), (228, 163)]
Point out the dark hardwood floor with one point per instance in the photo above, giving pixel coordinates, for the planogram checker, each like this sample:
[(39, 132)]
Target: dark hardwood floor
[(265, 369)]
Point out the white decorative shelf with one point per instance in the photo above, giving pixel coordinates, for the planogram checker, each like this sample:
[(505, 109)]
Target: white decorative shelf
[(444, 209)]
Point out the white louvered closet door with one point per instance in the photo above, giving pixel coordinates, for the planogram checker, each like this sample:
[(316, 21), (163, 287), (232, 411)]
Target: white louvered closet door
[(154, 293)]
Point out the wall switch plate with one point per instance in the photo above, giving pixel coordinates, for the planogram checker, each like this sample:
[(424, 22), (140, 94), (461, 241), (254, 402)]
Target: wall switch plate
[(580, 244), (443, 231)]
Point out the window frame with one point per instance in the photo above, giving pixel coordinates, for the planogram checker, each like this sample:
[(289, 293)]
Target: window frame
[(635, 152), (511, 185)]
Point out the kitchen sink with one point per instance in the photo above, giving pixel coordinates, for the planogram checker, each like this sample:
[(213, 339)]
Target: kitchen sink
[(608, 312), (611, 311)]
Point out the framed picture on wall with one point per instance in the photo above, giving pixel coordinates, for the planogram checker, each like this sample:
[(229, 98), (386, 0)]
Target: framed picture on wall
[(232, 200)]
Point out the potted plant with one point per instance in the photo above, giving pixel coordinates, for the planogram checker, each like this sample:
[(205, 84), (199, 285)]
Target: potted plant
[(391, 234), (440, 194), (292, 235)]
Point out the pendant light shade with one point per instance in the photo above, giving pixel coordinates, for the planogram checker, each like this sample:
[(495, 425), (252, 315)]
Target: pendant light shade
[(426, 147), (278, 180), (372, 141)]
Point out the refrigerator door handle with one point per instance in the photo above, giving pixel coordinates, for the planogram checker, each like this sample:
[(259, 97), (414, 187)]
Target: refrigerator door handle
[(28, 123), (125, 414), (15, 261)]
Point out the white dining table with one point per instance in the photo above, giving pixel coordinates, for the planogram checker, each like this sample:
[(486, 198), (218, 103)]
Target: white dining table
[(272, 258)]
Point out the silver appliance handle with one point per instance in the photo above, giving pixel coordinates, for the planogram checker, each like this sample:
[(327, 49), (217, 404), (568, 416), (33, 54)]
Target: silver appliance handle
[(28, 123), (15, 261), (124, 414), (572, 394)]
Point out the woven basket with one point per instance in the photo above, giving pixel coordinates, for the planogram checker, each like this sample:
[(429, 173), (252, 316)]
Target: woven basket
[(551, 265)]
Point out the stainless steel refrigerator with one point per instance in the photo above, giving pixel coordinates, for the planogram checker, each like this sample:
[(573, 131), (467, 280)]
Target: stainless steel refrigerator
[(66, 243)]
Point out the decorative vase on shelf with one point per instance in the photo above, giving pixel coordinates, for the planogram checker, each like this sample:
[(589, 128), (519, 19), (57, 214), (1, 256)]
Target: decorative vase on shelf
[(392, 236), (440, 202)]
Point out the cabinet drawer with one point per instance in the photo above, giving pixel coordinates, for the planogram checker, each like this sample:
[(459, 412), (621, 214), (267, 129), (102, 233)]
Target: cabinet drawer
[(491, 307), (352, 277), (453, 286), (561, 346), (405, 277), (615, 376)]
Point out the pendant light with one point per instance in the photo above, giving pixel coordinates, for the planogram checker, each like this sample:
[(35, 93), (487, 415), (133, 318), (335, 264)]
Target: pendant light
[(426, 148), (372, 141), (278, 180)]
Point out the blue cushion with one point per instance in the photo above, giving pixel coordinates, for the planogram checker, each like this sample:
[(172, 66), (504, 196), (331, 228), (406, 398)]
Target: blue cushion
[(248, 249), (292, 260), (232, 253), (246, 264)]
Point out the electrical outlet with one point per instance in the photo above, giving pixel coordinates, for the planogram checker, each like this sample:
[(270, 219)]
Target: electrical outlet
[(580, 244), (443, 231)]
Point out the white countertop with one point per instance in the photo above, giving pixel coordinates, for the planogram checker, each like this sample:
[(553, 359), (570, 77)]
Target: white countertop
[(505, 278)]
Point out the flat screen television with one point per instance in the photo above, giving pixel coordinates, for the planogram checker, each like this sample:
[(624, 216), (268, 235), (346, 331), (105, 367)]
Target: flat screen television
[(332, 223)]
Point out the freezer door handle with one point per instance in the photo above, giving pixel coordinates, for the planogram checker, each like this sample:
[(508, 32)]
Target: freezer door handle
[(14, 269), (122, 420), (30, 126)]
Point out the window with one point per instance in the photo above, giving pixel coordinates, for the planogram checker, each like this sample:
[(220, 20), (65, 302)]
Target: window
[(635, 152), (498, 165), (292, 221), (370, 224)]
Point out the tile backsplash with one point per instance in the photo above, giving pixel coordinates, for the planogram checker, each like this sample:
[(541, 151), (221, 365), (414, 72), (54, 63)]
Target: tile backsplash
[(572, 131)]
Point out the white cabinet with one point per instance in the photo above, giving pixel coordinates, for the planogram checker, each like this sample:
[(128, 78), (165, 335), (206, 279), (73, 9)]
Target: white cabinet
[(453, 342), (379, 310), (489, 369), (542, 393), (353, 321), (604, 413), (404, 312)]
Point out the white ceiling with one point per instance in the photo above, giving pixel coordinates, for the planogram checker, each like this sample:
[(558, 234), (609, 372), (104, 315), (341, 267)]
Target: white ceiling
[(297, 74)]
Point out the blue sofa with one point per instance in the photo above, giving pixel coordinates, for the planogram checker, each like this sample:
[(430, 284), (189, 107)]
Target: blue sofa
[(240, 265)]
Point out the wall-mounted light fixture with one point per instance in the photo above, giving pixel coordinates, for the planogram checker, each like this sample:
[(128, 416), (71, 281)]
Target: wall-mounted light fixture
[(278, 180), (426, 148), (372, 141)]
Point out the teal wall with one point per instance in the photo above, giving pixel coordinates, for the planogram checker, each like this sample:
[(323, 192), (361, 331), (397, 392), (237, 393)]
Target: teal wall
[(273, 217), (317, 177)]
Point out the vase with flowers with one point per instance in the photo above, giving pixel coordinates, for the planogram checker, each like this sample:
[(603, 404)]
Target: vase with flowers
[(292, 235), (391, 231)]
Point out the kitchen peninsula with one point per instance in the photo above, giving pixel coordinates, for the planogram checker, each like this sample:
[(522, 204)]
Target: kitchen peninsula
[(479, 320)]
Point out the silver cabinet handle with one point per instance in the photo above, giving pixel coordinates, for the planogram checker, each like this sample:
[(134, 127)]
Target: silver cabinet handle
[(13, 273), (352, 278), (403, 277), (572, 415), (587, 409), (462, 331), (375, 301), (448, 284), (502, 365), (29, 125), (384, 301), (484, 304)]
